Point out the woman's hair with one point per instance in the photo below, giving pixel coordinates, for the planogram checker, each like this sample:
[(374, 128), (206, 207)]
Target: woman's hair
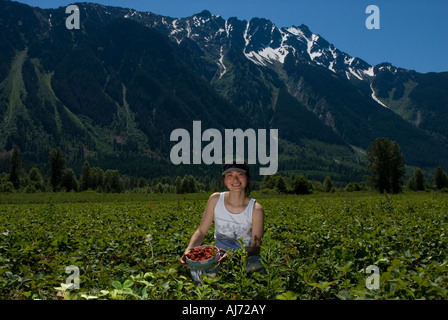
[(242, 167)]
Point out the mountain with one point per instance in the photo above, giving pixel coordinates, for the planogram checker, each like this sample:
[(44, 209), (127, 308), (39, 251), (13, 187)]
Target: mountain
[(421, 99), (103, 92), (113, 92), (346, 93)]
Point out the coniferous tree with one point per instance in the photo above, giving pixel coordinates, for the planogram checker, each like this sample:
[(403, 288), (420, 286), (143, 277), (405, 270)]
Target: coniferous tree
[(328, 184), (281, 185), (57, 166), (386, 163), (15, 167), (97, 179), (113, 181), (419, 179), (396, 167), (84, 181), (440, 178), (188, 185), (36, 179), (271, 181), (178, 184), (68, 180), (301, 185)]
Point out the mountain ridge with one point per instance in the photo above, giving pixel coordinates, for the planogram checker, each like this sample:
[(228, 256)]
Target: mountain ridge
[(266, 76)]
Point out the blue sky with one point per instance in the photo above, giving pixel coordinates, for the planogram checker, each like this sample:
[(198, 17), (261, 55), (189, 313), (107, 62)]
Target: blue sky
[(412, 34)]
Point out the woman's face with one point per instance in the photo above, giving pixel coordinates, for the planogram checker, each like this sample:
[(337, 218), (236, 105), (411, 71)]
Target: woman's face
[(235, 180)]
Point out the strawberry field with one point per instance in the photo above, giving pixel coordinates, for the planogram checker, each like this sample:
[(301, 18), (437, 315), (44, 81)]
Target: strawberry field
[(315, 247)]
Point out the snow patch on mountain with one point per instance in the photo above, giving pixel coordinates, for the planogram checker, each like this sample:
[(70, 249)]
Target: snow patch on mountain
[(228, 27), (296, 31), (246, 35), (132, 13), (355, 73), (188, 29), (221, 63), (271, 54), (374, 97), (198, 21), (267, 55), (389, 68), (310, 46), (369, 72)]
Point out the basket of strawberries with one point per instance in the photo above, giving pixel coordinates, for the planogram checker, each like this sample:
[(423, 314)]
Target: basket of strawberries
[(202, 257)]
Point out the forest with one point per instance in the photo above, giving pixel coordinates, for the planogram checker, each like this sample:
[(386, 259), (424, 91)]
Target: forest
[(386, 176)]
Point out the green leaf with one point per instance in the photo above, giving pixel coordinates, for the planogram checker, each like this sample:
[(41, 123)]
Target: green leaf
[(321, 285), (144, 293), (117, 285), (127, 284), (344, 295), (288, 295)]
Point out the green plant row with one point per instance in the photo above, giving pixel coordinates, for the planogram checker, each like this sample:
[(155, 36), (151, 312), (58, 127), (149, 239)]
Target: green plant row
[(314, 248)]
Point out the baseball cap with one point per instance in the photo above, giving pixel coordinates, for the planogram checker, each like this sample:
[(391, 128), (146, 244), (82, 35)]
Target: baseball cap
[(241, 167)]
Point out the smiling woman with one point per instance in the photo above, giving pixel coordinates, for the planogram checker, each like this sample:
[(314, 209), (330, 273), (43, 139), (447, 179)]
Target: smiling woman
[(236, 216), (237, 176)]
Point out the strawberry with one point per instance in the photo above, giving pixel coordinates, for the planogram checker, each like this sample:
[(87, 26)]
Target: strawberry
[(202, 253)]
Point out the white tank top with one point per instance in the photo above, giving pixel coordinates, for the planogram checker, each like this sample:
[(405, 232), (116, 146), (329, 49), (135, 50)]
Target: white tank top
[(230, 227)]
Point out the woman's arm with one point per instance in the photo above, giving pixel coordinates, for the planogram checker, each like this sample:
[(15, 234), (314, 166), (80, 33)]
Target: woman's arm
[(257, 230), (207, 219)]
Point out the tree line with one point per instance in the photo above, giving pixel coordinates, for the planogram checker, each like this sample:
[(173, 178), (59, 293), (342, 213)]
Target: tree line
[(385, 163), (96, 179), (61, 178)]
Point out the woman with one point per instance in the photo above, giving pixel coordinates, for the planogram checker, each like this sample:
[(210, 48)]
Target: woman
[(236, 216)]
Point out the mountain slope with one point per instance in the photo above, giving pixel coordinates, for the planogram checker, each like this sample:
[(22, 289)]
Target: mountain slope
[(345, 93), (109, 92), (421, 99), (115, 90)]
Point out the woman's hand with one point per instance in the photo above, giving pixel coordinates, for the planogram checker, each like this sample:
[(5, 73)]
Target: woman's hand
[(183, 259), (223, 255)]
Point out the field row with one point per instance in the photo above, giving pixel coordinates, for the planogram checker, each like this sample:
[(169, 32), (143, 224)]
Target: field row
[(316, 247)]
